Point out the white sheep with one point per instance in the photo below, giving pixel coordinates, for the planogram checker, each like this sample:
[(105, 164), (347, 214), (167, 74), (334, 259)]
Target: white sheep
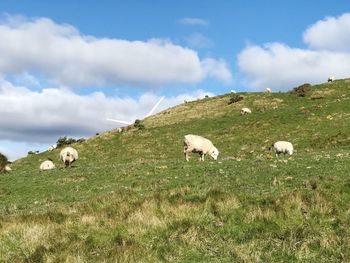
[(268, 90), (52, 147), (68, 155), (7, 168), (245, 111), (201, 145), (331, 79), (47, 165), (282, 147), (233, 91)]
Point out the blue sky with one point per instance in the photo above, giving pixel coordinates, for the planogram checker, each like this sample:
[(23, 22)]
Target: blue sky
[(68, 65)]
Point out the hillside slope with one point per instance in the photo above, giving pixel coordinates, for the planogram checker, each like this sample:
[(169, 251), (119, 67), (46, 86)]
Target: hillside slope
[(131, 197)]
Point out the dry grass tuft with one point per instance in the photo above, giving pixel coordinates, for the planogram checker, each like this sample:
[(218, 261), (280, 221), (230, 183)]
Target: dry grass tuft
[(228, 204), (320, 94), (69, 180), (267, 104), (24, 238), (249, 252), (258, 213), (147, 215)]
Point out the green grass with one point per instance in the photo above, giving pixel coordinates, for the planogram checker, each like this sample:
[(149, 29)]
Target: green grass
[(131, 197)]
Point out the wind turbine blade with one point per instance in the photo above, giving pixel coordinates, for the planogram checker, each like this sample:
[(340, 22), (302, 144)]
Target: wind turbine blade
[(122, 122), (154, 107)]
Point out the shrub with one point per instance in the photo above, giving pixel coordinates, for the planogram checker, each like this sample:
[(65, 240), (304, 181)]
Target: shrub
[(301, 90), (33, 152), (3, 162), (139, 124), (235, 98), (62, 141)]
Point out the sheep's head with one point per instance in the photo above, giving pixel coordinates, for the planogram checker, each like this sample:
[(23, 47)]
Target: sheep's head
[(214, 153), (68, 159)]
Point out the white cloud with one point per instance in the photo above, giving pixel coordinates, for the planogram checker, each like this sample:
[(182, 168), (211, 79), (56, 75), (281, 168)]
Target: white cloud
[(39, 117), (192, 21), (331, 33), (217, 69), (61, 53), (197, 40), (282, 67)]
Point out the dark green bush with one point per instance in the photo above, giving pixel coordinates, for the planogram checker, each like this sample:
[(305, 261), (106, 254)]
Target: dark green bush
[(235, 98), (62, 141), (139, 124), (302, 90)]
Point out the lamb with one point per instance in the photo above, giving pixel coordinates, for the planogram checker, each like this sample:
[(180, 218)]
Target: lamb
[(282, 147), (268, 90), (245, 111), (47, 165), (68, 155), (201, 145), (330, 79)]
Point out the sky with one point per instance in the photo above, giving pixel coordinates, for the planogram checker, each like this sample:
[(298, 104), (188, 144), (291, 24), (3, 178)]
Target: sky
[(67, 66)]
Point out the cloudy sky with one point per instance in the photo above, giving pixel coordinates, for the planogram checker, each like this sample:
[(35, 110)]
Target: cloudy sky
[(66, 66)]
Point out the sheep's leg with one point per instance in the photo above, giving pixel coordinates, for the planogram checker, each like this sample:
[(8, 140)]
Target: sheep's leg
[(186, 156), (187, 150), (201, 158)]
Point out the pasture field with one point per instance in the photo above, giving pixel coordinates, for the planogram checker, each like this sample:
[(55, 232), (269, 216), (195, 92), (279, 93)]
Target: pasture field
[(131, 197)]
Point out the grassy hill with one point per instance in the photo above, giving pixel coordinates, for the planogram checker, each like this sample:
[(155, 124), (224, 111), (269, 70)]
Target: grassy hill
[(131, 197)]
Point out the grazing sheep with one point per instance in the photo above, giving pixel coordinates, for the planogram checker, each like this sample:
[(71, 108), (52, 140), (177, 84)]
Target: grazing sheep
[(68, 155), (201, 145), (245, 111), (52, 147), (47, 165), (331, 79), (268, 90), (282, 147), (119, 130)]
